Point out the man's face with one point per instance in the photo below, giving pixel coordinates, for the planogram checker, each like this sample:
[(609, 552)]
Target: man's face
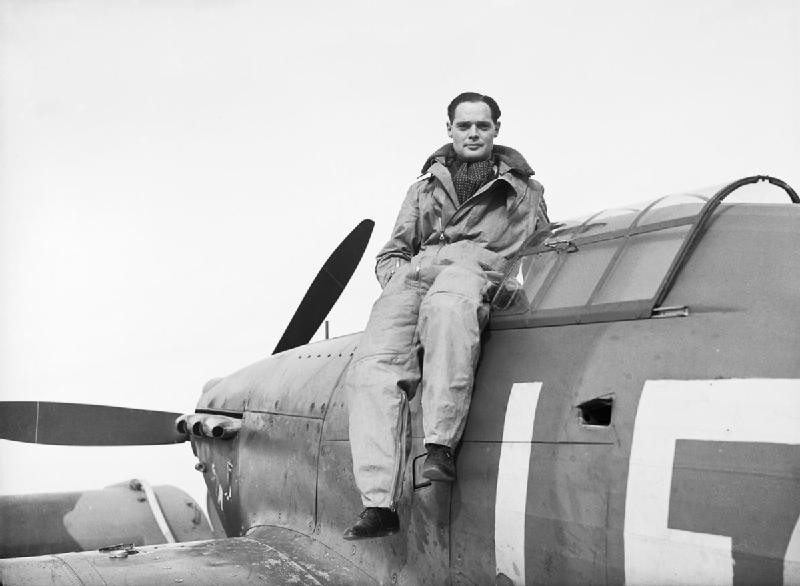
[(473, 131)]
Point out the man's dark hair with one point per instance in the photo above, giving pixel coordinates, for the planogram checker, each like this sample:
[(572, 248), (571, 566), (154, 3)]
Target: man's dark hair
[(473, 97)]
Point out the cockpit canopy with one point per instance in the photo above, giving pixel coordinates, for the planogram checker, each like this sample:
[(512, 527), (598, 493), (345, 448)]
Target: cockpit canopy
[(615, 264)]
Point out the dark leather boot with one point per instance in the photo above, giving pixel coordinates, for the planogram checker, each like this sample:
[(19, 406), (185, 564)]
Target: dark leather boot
[(439, 466), (375, 522)]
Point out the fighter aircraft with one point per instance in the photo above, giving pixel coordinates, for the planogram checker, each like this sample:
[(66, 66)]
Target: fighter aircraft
[(634, 420)]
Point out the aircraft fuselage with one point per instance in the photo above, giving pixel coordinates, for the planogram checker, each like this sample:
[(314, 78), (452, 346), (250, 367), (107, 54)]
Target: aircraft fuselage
[(658, 450)]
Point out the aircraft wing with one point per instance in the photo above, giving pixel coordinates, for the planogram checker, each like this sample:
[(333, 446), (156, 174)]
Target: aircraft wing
[(266, 556)]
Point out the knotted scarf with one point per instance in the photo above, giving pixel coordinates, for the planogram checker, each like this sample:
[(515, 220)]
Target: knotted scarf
[(469, 177)]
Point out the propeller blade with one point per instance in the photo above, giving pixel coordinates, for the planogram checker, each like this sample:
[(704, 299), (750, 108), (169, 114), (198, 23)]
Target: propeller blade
[(326, 288), (76, 424)]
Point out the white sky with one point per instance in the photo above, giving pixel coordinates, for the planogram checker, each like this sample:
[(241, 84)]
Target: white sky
[(173, 173)]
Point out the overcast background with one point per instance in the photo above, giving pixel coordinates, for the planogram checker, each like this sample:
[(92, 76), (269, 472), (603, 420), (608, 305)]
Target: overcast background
[(173, 173)]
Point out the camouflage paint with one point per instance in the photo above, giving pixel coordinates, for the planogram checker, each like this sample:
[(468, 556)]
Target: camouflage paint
[(741, 287), (576, 494), (77, 521), (270, 556)]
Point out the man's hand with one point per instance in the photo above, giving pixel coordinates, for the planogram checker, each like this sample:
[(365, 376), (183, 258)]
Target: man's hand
[(511, 295)]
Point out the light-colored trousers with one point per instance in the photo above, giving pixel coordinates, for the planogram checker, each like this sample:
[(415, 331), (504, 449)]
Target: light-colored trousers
[(441, 308)]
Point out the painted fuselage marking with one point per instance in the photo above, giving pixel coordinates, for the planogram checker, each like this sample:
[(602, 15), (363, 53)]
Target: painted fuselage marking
[(727, 410), (512, 481)]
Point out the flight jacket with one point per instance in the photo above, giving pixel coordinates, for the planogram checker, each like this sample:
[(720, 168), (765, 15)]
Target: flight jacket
[(489, 227)]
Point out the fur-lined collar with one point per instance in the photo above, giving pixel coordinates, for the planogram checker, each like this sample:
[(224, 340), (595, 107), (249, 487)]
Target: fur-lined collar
[(503, 154)]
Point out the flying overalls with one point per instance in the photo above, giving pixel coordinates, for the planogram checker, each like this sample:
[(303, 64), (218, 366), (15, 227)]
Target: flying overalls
[(438, 271)]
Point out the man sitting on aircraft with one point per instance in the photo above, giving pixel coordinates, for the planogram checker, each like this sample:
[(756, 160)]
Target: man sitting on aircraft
[(458, 227)]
